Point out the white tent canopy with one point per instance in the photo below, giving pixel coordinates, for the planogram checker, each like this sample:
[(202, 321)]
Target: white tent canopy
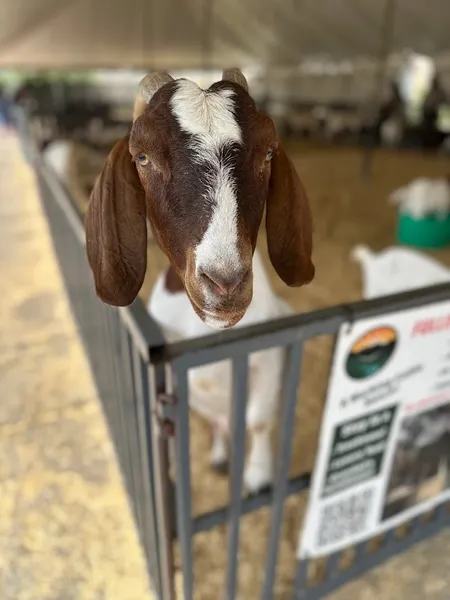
[(193, 33)]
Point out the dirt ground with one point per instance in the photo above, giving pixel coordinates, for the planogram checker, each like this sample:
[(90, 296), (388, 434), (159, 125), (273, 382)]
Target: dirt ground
[(347, 209)]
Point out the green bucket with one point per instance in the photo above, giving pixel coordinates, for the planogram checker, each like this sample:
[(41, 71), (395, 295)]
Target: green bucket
[(429, 232)]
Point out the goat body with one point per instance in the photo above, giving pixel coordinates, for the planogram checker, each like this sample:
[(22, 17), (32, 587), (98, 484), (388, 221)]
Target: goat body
[(397, 269), (210, 386)]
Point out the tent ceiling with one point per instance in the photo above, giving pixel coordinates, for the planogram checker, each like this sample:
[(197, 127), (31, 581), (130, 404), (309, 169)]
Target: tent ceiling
[(176, 34)]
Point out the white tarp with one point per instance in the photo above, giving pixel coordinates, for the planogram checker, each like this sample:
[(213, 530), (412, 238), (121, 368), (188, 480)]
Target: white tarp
[(190, 33)]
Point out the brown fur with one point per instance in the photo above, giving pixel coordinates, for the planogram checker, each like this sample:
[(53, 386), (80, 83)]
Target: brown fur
[(289, 223), (116, 230), (171, 188)]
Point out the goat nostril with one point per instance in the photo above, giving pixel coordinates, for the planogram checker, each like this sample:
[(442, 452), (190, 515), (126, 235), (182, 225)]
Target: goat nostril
[(218, 286), (223, 286)]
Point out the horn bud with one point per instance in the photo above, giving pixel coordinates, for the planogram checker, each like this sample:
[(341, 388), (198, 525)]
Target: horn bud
[(148, 86), (235, 76)]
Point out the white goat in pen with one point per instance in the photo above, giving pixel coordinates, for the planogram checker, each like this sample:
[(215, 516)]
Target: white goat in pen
[(202, 165), (210, 386), (422, 197)]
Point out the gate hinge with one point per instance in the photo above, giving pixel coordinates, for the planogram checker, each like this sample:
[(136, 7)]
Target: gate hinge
[(165, 413)]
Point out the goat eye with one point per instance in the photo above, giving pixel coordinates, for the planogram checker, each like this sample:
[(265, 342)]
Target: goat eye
[(269, 155), (143, 159)]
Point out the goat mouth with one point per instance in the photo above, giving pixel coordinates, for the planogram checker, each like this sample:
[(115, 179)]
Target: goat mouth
[(219, 319)]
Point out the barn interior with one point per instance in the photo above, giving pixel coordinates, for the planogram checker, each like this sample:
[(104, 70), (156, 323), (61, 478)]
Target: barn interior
[(359, 94)]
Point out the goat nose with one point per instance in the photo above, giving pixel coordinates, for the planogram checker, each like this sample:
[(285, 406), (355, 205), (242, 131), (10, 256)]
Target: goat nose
[(224, 285)]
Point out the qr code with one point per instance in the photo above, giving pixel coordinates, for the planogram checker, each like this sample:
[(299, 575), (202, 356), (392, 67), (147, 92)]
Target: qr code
[(345, 518)]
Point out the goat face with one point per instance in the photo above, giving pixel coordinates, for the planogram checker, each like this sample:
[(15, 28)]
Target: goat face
[(201, 165)]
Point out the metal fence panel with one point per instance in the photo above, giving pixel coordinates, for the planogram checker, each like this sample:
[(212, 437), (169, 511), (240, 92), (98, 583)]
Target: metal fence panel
[(365, 559), (237, 455), (283, 457), (178, 387), (333, 574), (143, 386), (118, 366)]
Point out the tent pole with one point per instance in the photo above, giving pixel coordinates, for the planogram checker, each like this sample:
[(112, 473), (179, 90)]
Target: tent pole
[(387, 34), (207, 38)]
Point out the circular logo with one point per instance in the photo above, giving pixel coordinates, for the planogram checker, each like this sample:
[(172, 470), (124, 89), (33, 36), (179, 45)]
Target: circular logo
[(371, 352)]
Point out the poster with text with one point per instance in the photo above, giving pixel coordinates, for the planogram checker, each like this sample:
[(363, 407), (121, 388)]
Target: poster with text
[(384, 450)]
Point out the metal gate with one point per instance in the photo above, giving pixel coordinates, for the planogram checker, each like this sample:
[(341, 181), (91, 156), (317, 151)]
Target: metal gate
[(143, 386), (291, 333)]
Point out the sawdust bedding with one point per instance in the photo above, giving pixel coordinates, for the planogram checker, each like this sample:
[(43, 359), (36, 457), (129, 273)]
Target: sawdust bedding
[(347, 210)]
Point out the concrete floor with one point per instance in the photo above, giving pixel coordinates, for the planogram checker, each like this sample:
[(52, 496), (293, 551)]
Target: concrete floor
[(66, 531), (65, 527)]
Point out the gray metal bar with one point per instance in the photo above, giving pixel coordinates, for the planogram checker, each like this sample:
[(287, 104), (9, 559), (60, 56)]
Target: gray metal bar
[(177, 383), (415, 529), (162, 503), (301, 580), (131, 419), (282, 332), (286, 435), (217, 517), (333, 564), (141, 441), (124, 445), (237, 457), (147, 463), (145, 499), (278, 332), (116, 403), (113, 403), (367, 561), (386, 36)]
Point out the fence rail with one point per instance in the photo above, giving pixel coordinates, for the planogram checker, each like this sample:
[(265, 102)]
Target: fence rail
[(143, 386)]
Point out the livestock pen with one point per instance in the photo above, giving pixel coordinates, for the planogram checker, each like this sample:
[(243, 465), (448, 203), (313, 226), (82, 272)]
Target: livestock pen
[(191, 521)]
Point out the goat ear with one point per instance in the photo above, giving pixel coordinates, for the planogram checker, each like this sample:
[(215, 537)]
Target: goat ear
[(289, 223), (116, 229)]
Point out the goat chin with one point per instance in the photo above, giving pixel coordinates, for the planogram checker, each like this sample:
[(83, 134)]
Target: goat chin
[(210, 386)]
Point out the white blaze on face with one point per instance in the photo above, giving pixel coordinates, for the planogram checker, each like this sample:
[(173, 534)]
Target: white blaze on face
[(209, 117)]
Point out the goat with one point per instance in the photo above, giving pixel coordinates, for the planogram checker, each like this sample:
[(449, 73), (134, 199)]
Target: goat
[(203, 165), (422, 197), (396, 269), (210, 386)]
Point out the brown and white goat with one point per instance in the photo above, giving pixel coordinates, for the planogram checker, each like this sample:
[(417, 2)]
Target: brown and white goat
[(203, 165)]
